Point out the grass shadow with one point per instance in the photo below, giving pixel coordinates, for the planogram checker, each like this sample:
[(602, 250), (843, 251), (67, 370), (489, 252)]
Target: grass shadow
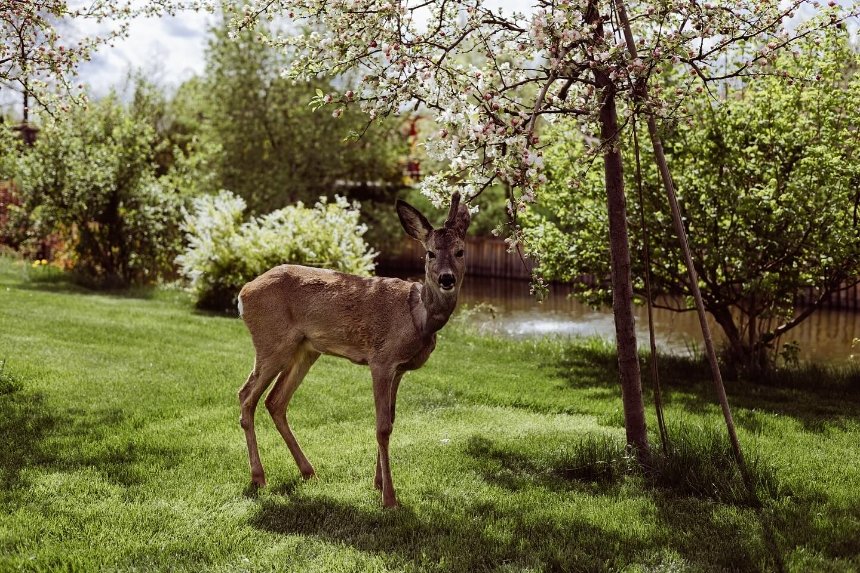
[(595, 464), (25, 422)]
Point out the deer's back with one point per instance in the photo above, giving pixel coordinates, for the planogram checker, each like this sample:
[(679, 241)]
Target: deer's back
[(335, 313)]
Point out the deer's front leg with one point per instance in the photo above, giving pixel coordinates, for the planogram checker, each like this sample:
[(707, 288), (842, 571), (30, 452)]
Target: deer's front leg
[(382, 382), (395, 384)]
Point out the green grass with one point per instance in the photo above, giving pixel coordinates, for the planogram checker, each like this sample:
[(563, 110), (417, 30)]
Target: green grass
[(122, 451)]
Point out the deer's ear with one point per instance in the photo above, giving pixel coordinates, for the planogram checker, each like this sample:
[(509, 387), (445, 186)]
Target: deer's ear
[(414, 223)]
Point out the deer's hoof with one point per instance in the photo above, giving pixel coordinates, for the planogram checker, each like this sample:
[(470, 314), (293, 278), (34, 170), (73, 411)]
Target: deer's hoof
[(390, 503), (308, 473), (258, 480)]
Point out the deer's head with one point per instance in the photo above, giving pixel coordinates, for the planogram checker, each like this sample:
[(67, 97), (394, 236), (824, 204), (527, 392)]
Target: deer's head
[(445, 260)]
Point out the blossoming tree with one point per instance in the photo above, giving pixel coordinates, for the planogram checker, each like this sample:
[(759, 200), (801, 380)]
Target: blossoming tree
[(490, 78), (45, 41)]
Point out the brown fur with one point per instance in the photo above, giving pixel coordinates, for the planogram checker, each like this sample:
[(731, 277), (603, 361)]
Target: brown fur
[(296, 313)]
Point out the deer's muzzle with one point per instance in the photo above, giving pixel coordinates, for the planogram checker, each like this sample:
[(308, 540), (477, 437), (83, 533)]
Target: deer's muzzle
[(447, 281)]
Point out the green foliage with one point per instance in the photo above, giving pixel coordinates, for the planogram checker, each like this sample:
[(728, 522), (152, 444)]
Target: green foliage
[(769, 179), (90, 177), (181, 152), (10, 145), (224, 252)]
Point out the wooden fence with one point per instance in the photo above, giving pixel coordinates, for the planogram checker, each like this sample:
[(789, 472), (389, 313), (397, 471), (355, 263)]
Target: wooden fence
[(489, 257), (847, 299), (485, 257)]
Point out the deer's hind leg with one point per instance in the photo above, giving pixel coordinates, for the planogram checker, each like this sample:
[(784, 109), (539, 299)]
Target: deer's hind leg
[(270, 359), (249, 395), (279, 399)]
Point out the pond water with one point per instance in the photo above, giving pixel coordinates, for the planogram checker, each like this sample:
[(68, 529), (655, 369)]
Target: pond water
[(826, 336)]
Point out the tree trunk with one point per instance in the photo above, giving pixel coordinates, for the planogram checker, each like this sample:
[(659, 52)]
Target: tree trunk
[(619, 256), (723, 317), (622, 285), (744, 354), (736, 352)]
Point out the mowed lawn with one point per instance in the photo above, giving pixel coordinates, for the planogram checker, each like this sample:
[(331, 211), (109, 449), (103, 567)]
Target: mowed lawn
[(121, 450)]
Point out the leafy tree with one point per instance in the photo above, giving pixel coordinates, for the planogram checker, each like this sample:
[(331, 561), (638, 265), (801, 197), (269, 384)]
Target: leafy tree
[(91, 177), (569, 58), (770, 179), (274, 148), (183, 154)]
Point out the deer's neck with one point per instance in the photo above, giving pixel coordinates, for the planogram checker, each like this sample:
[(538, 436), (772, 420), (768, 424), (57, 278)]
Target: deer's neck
[(434, 309)]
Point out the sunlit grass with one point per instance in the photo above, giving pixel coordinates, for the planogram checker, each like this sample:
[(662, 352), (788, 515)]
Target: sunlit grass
[(122, 451)]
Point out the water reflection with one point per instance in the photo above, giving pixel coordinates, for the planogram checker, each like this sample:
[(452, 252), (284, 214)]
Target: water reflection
[(825, 336)]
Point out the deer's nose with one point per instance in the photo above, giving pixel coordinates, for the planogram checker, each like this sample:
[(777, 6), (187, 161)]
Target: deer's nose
[(447, 281)]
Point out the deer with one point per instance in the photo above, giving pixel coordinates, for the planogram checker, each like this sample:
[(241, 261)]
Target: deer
[(296, 313)]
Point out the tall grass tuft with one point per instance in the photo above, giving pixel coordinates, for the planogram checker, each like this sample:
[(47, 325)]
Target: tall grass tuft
[(700, 463), (8, 383), (595, 459)]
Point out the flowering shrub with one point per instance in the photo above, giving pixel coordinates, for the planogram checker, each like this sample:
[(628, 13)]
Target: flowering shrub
[(223, 253)]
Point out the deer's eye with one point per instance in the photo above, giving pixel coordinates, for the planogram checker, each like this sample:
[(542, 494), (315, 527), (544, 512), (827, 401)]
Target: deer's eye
[(459, 254), (431, 255)]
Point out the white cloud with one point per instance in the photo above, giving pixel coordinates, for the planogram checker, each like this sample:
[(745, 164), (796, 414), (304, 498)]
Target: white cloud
[(167, 50)]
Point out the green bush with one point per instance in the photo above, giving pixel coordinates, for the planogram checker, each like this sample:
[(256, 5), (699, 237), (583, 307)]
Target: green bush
[(223, 253), (90, 178)]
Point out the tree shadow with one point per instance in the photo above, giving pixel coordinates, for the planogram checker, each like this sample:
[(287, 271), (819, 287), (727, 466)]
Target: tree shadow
[(803, 395), (65, 285), (460, 540), (726, 533), (803, 521), (582, 468), (37, 437), (815, 412), (25, 422)]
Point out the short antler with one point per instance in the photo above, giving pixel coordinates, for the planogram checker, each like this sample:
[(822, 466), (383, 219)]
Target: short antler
[(452, 212)]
